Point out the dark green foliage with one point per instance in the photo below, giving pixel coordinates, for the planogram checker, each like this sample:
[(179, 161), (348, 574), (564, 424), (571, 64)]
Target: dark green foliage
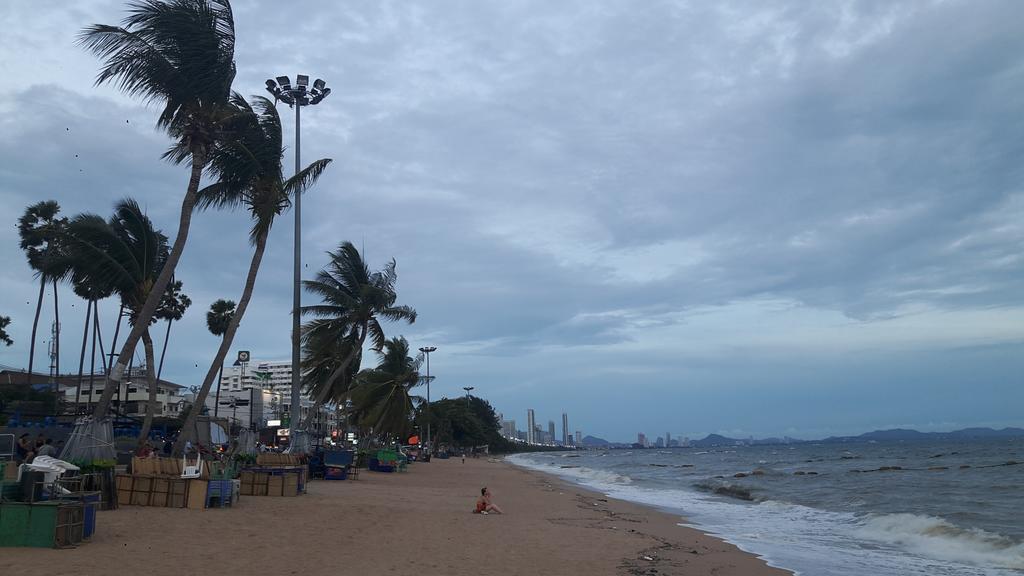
[(218, 317), (354, 302), (5, 321), (465, 423), (123, 255), (381, 398)]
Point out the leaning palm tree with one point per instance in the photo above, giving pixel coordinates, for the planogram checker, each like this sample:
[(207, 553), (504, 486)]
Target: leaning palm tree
[(354, 302), (41, 233), (218, 318), (381, 397), (179, 53), (127, 254), (249, 173)]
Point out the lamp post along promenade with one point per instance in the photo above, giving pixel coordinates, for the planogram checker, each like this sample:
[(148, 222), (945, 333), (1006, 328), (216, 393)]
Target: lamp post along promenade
[(297, 96)]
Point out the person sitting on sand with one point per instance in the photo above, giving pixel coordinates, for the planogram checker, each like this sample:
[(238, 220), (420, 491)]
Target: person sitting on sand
[(484, 504)]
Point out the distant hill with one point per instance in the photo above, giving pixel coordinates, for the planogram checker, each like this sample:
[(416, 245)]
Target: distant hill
[(595, 442), (904, 435), (893, 435)]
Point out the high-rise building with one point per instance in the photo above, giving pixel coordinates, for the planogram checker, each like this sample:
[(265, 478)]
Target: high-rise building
[(551, 432), (530, 427), (641, 439), (668, 439), (508, 428), (565, 429), (660, 442), (579, 438)]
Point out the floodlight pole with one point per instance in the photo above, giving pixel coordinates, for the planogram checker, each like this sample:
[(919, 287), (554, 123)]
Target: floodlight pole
[(298, 96), (296, 399), (426, 352)]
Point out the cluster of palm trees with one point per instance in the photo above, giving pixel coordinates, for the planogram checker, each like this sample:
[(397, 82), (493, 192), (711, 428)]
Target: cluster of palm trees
[(180, 55)]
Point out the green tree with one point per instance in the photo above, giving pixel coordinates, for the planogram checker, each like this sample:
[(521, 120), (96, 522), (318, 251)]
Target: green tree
[(172, 308), (249, 175), (354, 302), (465, 422), (126, 254), (5, 321), (218, 318), (41, 233), (382, 397), (179, 53)]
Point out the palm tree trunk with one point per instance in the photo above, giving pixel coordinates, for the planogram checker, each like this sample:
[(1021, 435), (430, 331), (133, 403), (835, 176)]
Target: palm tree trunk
[(167, 336), (156, 293), (117, 330), (216, 397), (92, 354), (56, 336), (147, 423), (81, 359), (35, 325), (188, 428)]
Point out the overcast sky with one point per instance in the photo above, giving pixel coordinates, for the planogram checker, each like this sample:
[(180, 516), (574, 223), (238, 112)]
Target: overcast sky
[(752, 218)]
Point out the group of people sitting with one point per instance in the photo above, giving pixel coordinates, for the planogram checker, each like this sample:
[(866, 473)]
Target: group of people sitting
[(26, 450)]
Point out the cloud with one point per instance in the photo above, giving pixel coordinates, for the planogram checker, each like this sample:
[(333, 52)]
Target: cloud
[(591, 202)]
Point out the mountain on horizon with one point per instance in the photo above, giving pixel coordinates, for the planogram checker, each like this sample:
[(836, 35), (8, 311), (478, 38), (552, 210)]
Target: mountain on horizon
[(894, 434), (594, 442)]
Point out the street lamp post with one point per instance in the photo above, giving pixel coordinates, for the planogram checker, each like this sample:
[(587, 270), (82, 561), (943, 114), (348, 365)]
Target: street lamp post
[(297, 96), (467, 389), (426, 351)]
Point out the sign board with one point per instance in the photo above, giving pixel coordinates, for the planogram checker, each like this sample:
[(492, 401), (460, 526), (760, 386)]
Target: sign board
[(283, 432), (243, 356), (272, 423)]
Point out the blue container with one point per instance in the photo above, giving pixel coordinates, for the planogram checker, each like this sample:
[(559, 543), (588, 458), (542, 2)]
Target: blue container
[(91, 502)]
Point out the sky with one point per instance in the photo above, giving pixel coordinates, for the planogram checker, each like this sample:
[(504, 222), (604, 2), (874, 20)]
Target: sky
[(748, 218)]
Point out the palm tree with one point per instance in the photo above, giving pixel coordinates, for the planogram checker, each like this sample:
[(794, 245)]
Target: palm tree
[(381, 397), (41, 233), (179, 53), (5, 321), (127, 254), (172, 308), (353, 300), (249, 173), (88, 285), (218, 318)]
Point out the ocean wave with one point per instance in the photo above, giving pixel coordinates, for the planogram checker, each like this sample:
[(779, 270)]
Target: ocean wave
[(581, 474), (937, 538)]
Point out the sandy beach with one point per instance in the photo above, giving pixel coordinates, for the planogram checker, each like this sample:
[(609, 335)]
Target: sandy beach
[(418, 522)]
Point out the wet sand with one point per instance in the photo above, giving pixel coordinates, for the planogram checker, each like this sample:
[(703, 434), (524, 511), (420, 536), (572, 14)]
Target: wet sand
[(417, 522)]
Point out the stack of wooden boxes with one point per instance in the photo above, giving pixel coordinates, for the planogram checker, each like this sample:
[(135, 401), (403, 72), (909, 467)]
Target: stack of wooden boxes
[(158, 482), (270, 482)]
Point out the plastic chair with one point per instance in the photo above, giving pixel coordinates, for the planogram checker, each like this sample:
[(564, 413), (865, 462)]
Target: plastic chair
[(194, 471)]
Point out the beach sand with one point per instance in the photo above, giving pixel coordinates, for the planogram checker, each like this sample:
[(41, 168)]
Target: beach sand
[(417, 522)]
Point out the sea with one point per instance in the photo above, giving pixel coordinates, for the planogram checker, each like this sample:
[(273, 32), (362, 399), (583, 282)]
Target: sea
[(923, 508)]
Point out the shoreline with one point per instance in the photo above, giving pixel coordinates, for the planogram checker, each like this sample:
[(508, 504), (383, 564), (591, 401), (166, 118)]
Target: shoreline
[(415, 522), (714, 554)]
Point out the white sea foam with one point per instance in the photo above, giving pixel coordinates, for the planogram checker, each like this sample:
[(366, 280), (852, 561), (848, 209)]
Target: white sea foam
[(937, 538), (812, 541)]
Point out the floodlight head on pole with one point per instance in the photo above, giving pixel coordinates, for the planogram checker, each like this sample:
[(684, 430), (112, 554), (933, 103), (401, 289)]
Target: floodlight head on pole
[(299, 94), (428, 349)]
